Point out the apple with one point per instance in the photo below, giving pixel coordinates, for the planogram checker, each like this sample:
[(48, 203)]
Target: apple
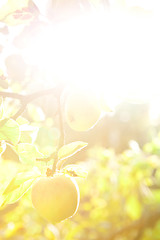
[(55, 198)]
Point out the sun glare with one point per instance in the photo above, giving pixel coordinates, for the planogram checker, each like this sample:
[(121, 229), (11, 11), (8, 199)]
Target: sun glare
[(116, 54)]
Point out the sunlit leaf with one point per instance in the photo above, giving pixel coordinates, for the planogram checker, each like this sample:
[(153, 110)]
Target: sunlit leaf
[(7, 172), (18, 186), (9, 130), (19, 179), (75, 171), (11, 186), (70, 149), (28, 153)]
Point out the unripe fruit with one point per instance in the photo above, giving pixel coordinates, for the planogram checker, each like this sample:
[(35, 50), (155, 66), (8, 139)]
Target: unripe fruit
[(82, 111), (55, 198)]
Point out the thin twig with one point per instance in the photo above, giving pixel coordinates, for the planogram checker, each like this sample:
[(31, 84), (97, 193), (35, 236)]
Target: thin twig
[(20, 111), (61, 139), (61, 126)]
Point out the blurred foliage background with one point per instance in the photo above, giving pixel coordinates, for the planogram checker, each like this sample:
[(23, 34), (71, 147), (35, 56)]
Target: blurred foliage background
[(120, 197)]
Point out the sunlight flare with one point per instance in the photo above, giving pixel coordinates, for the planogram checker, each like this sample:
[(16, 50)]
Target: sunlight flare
[(116, 56)]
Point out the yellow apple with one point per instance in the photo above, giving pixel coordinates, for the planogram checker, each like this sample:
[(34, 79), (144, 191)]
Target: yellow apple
[(55, 198), (82, 111)]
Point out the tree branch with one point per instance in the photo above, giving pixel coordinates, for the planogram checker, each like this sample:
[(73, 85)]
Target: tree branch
[(25, 99), (30, 97), (12, 95)]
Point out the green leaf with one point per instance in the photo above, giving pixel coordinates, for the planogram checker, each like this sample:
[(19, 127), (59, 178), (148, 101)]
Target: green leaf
[(75, 171), (11, 186), (70, 149), (28, 153), (18, 186), (19, 179), (18, 193), (7, 172), (133, 207), (9, 130)]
